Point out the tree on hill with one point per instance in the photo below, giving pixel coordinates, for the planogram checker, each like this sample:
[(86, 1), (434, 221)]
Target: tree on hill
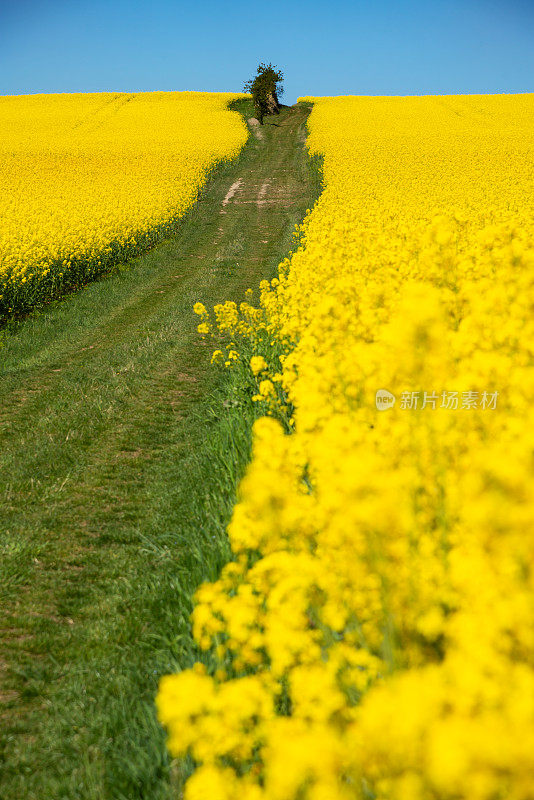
[(265, 88)]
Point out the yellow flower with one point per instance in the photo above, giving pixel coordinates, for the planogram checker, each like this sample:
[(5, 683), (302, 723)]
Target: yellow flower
[(375, 627), (266, 388), (257, 364), (200, 309)]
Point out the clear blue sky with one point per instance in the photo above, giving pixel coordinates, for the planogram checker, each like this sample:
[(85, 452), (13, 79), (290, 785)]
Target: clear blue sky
[(325, 48)]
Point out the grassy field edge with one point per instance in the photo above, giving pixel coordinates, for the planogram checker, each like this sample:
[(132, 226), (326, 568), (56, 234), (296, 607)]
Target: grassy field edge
[(122, 453)]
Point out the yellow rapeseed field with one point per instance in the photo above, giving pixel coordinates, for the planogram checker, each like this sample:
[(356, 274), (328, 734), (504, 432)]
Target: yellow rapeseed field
[(373, 636), (87, 180)]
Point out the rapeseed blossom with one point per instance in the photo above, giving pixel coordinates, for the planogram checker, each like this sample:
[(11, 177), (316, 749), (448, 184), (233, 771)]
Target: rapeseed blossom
[(373, 636), (88, 180)]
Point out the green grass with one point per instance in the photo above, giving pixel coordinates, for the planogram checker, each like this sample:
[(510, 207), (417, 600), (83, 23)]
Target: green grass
[(119, 461)]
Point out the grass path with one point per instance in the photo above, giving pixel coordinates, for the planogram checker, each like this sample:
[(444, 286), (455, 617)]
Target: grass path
[(118, 468)]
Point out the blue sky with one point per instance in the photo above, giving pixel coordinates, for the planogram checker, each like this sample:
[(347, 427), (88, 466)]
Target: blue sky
[(336, 47)]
